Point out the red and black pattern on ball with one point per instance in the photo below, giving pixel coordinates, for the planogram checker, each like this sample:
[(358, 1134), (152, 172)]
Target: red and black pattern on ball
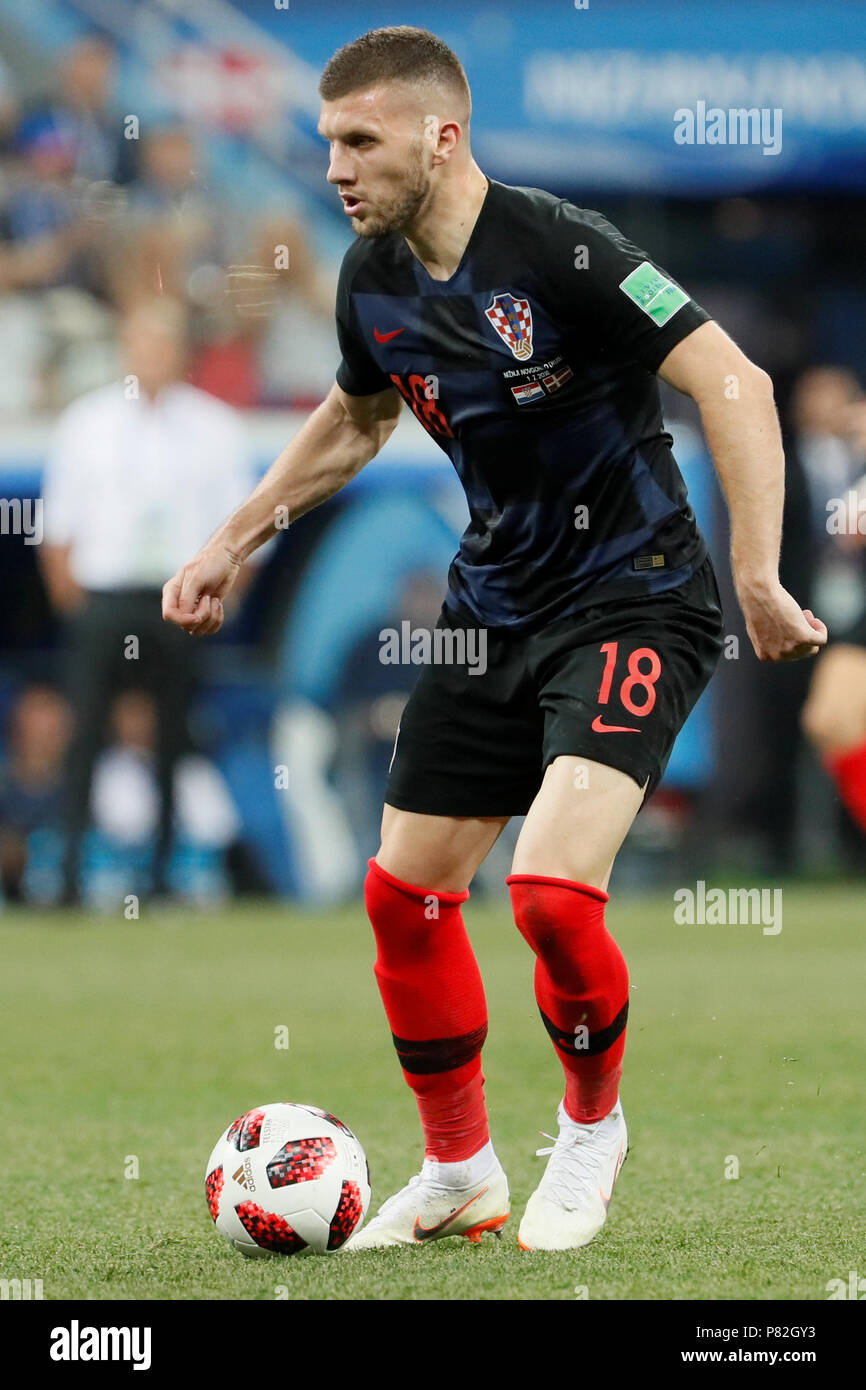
[(268, 1230), (349, 1211), (213, 1186), (301, 1160), (332, 1119), (246, 1132)]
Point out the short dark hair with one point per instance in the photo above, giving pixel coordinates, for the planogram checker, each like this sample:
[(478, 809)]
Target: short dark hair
[(399, 53)]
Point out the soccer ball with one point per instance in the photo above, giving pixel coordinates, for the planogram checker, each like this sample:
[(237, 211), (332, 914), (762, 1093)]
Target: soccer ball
[(287, 1180)]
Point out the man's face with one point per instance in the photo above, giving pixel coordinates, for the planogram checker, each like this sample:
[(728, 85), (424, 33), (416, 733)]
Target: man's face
[(86, 75), (153, 345), (169, 159), (822, 398), (379, 158)]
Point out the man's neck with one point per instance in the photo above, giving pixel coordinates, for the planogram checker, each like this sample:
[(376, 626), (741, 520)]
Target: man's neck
[(152, 392), (443, 230)]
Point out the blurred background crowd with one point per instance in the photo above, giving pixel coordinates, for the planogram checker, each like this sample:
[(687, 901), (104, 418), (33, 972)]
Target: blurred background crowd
[(168, 258)]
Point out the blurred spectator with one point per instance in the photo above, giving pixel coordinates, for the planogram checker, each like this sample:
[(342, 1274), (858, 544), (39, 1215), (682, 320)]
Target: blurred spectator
[(826, 443), (146, 258), (225, 363), (31, 780), (125, 801), (167, 181), (368, 702), (173, 232), (169, 192), (834, 718), (172, 240), (269, 336), (8, 104), (821, 461), (41, 203), (140, 474), (82, 114), (59, 213), (49, 236), (71, 149), (291, 301), (777, 692)]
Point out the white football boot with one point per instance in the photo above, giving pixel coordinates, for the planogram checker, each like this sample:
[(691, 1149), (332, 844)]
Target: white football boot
[(569, 1206), (427, 1210)]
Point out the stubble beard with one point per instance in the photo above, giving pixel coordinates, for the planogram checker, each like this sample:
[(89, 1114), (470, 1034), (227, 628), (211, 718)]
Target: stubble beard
[(398, 215)]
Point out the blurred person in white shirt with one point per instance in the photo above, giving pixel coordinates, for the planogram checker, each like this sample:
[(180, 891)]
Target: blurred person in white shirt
[(125, 795), (140, 471)]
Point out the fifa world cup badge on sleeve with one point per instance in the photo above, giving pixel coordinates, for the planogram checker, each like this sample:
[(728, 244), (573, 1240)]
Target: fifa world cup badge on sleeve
[(652, 292)]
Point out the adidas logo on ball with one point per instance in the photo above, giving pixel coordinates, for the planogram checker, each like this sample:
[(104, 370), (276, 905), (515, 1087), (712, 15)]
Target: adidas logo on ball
[(244, 1177)]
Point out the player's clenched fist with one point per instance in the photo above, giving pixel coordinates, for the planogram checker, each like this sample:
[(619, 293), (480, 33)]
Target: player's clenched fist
[(193, 597), (779, 629)]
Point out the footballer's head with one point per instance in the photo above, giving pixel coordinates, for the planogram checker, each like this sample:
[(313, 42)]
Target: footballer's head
[(395, 110)]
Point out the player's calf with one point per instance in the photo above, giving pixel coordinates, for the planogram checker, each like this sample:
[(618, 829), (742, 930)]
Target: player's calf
[(433, 995), (581, 986)]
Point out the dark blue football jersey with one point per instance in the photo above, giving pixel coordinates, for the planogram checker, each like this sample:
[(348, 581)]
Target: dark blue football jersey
[(533, 367)]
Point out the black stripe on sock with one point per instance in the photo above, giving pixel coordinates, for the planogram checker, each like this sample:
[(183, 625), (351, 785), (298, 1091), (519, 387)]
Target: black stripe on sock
[(439, 1054), (596, 1043)]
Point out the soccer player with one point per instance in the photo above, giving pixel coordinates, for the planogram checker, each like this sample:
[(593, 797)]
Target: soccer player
[(525, 334), (834, 715), (834, 718)]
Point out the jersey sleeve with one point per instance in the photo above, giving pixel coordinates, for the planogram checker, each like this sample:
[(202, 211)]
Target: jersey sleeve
[(615, 293), (357, 374)]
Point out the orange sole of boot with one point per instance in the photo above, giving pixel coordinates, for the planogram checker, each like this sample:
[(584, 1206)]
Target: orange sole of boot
[(495, 1225)]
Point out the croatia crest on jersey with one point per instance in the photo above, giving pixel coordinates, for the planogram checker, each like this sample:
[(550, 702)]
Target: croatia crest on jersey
[(512, 319)]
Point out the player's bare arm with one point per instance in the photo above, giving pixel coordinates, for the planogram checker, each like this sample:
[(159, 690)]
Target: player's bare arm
[(735, 398), (341, 436)]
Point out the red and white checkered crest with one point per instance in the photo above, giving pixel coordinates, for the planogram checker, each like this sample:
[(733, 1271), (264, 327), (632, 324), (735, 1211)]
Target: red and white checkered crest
[(512, 319)]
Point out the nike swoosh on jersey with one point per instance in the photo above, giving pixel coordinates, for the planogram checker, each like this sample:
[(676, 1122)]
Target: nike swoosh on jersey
[(386, 337), (600, 727), (427, 1232)]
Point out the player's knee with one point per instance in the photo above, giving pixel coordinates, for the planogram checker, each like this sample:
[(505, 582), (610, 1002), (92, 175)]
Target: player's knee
[(423, 873), (435, 853), (387, 896), (834, 715), (814, 721), (826, 722), (547, 862)]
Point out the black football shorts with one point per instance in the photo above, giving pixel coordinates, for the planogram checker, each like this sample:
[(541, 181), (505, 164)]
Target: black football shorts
[(613, 685)]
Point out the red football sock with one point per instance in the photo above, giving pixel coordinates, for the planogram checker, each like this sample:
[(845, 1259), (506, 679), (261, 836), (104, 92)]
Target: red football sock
[(848, 770), (431, 987), (581, 985)]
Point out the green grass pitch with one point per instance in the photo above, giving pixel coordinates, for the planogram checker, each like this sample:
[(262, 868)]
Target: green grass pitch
[(144, 1039)]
